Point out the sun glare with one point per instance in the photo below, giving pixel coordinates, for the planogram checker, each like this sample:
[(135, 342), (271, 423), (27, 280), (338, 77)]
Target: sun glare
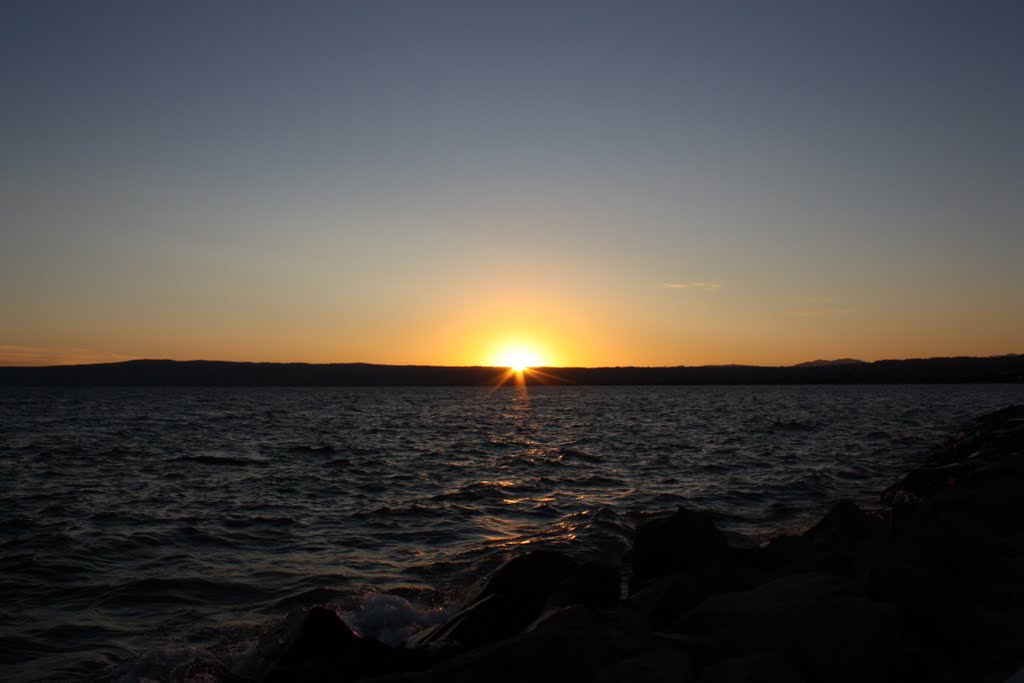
[(518, 358)]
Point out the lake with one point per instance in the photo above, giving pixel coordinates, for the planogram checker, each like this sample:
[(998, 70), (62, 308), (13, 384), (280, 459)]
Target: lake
[(146, 531)]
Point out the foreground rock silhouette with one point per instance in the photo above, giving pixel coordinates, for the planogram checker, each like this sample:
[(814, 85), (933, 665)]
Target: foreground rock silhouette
[(927, 586)]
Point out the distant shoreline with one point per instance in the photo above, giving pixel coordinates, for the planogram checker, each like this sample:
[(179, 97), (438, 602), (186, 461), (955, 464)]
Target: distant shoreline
[(959, 370)]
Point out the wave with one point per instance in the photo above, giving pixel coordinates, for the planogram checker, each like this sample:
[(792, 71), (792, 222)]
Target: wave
[(243, 518), (179, 591), (313, 596), (225, 460), (391, 619)]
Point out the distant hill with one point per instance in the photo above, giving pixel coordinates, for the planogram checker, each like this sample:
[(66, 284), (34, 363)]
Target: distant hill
[(824, 363), (219, 373)]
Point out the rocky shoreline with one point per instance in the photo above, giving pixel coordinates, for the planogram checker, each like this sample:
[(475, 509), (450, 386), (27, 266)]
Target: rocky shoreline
[(926, 585)]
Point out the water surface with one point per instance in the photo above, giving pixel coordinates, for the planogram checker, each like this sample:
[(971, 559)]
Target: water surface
[(145, 530)]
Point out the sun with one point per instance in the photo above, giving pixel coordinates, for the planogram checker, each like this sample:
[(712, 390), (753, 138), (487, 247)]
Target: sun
[(518, 358)]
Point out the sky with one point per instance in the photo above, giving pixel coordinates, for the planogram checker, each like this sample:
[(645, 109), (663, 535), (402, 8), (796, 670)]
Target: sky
[(447, 183)]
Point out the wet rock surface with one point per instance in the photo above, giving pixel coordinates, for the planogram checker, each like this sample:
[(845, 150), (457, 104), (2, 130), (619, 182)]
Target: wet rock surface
[(927, 585)]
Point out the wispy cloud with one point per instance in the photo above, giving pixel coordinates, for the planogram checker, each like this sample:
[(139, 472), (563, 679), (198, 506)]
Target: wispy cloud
[(704, 286), (13, 354)]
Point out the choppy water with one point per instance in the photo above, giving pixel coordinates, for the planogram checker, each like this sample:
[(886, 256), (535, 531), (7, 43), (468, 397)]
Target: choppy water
[(146, 531)]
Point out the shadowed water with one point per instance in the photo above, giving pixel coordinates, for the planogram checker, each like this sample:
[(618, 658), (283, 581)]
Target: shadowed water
[(146, 531)]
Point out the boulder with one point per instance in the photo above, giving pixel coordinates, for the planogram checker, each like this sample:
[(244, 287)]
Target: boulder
[(665, 599), (662, 665), (316, 645), (529, 578), (810, 619), (571, 644), (580, 618), (787, 554), (687, 540), (844, 527), (594, 584), (760, 668), (503, 603), (923, 482), (490, 618)]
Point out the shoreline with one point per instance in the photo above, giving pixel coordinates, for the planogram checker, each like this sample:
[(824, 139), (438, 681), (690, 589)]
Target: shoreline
[(927, 585)]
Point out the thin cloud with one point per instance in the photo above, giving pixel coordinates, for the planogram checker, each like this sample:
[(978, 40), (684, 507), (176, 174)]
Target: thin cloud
[(703, 286)]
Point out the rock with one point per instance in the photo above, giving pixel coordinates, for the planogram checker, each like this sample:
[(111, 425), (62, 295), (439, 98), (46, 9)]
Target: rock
[(685, 541), (700, 649), (528, 578), (810, 619), (665, 599), (489, 619), (568, 618), (760, 668), (575, 644), (739, 542), (502, 604), (787, 554), (316, 645), (843, 527), (651, 666), (578, 618), (999, 489), (594, 584), (308, 641), (923, 482), (949, 533)]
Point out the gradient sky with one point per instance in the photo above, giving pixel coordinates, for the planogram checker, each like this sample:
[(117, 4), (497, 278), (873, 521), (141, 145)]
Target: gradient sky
[(611, 183)]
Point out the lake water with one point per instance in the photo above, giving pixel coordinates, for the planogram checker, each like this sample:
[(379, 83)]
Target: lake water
[(146, 531)]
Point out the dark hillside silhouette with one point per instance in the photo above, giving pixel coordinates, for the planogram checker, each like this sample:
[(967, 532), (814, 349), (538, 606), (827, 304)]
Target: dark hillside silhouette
[(218, 373)]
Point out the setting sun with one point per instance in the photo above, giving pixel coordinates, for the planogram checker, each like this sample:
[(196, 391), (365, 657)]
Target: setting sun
[(518, 358)]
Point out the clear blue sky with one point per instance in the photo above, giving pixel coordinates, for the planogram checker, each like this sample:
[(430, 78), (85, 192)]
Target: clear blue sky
[(609, 183)]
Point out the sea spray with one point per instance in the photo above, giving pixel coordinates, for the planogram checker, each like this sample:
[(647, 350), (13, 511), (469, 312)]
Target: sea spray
[(390, 618)]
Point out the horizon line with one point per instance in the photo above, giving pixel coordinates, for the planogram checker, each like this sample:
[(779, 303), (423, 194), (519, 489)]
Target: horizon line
[(819, 361)]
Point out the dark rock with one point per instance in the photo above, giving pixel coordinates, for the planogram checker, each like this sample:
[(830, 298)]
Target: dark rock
[(490, 618), (761, 668), (787, 554), (528, 578), (651, 666), (739, 542), (950, 533), (924, 481), (574, 644), (568, 618), (999, 489), (594, 584), (685, 541), (316, 645), (503, 603), (810, 619), (307, 642), (701, 650), (580, 618), (843, 527), (665, 599), (990, 437)]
